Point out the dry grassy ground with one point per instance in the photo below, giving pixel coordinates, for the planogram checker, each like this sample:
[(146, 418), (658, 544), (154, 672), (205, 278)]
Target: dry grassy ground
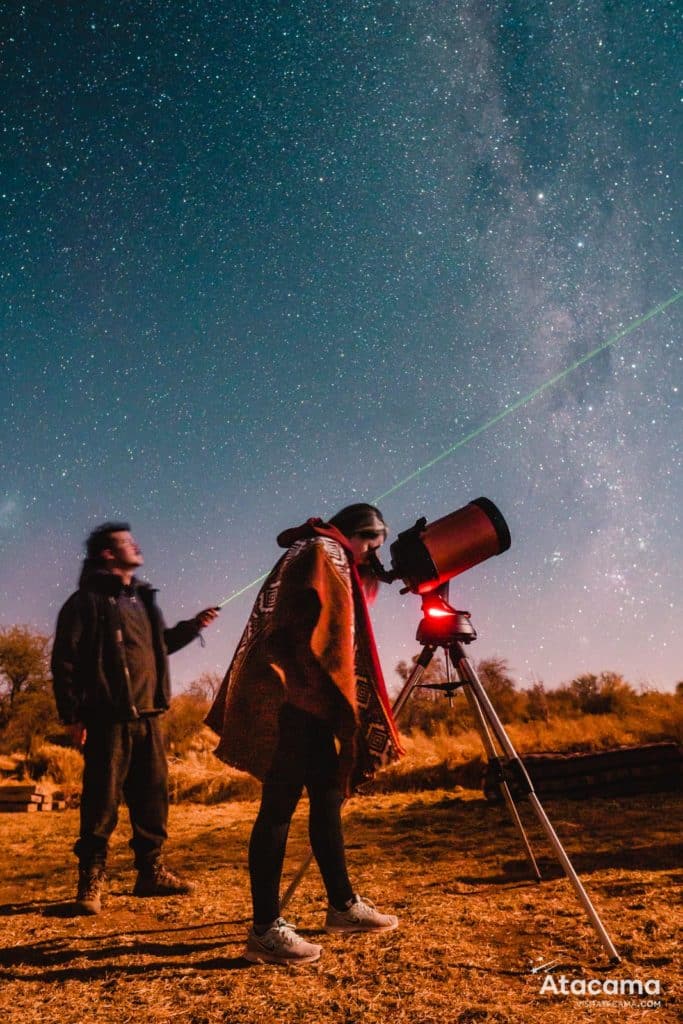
[(472, 926)]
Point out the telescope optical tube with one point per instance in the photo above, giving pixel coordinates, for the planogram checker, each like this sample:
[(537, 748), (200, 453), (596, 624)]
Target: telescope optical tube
[(428, 555)]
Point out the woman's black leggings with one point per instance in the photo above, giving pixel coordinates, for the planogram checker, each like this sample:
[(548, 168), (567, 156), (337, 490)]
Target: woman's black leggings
[(305, 756)]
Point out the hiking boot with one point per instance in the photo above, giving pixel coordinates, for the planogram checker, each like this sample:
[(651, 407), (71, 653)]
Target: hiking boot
[(359, 916), (89, 895), (157, 880), (280, 945)]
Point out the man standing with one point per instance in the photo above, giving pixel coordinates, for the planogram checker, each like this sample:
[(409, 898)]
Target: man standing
[(111, 683)]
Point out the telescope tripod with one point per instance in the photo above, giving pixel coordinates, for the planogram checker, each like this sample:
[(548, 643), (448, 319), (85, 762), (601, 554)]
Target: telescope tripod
[(444, 627)]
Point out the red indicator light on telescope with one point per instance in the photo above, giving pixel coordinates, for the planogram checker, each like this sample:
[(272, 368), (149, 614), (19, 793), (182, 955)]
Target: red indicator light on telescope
[(436, 608), (442, 623)]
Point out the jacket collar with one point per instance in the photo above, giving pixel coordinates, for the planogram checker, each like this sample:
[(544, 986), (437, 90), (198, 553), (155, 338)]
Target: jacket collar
[(312, 528), (99, 581)]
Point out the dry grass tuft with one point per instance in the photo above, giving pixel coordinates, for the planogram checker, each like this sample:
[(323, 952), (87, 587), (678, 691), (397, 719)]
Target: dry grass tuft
[(202, 778)]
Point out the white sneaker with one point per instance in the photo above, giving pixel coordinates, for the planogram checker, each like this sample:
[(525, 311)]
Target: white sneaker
[(280, 945), (359, 916)]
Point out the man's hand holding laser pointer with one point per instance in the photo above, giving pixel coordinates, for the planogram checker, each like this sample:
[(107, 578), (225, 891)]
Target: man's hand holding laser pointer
[(206, 617)]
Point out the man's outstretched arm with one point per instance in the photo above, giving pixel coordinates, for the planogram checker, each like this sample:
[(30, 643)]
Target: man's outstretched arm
[(187, 630)]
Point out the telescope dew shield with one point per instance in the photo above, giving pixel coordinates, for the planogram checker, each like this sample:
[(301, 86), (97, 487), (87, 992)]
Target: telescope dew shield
[(428, 555)]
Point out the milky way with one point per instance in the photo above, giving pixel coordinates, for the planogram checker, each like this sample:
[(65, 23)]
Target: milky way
[(262, 259)]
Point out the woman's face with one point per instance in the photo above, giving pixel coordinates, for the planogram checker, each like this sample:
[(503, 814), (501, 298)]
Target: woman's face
[(364, 542)]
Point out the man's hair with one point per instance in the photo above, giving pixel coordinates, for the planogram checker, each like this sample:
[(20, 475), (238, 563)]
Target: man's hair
[(100, 538), (354, 518)]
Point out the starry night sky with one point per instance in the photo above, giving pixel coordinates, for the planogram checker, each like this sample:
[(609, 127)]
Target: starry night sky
[(262, 259)]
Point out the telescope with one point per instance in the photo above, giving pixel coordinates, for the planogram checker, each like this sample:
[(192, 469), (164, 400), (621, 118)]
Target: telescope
[(426, 557), (429, 554)]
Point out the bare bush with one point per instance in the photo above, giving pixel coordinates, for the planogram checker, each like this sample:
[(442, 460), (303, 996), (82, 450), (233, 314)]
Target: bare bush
[(184, 721), (62, 766)]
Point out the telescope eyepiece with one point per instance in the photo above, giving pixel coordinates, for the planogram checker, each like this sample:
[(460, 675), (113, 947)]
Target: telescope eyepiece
[(382, 574)]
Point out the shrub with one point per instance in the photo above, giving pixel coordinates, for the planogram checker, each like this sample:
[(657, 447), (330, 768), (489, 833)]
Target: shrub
[(62, 766), (27, 708), (537, 708), (183, 723), (589, 694)]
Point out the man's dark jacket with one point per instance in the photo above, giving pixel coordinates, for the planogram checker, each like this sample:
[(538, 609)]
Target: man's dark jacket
[(89, 668)]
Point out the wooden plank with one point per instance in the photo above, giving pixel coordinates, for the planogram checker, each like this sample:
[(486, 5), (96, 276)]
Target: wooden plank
[(17, 808), (11, 791), (10, 797)]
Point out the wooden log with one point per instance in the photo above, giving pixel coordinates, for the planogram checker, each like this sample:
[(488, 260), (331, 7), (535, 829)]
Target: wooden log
[(627, 770)]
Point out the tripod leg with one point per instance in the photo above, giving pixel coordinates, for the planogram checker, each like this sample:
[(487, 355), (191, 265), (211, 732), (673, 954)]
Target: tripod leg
[(412, 681), (492, 755), (296, 880), (466, 671)]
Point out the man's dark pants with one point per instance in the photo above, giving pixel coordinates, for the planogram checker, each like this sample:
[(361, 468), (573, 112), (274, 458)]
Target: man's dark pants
[(124, 759)]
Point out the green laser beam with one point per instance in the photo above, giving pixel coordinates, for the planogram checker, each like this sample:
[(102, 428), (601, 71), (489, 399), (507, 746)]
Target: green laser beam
[(507, 411), (244, 589), (528, 398)]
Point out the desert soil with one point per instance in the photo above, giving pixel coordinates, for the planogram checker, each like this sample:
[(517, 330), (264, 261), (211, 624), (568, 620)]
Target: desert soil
[(474, 930)]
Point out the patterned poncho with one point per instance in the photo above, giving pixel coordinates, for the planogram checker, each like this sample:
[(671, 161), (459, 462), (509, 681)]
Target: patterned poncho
[(308, 642)]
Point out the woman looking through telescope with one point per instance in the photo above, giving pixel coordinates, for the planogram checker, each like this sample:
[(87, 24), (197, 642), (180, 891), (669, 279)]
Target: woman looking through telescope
[(304, 704)]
